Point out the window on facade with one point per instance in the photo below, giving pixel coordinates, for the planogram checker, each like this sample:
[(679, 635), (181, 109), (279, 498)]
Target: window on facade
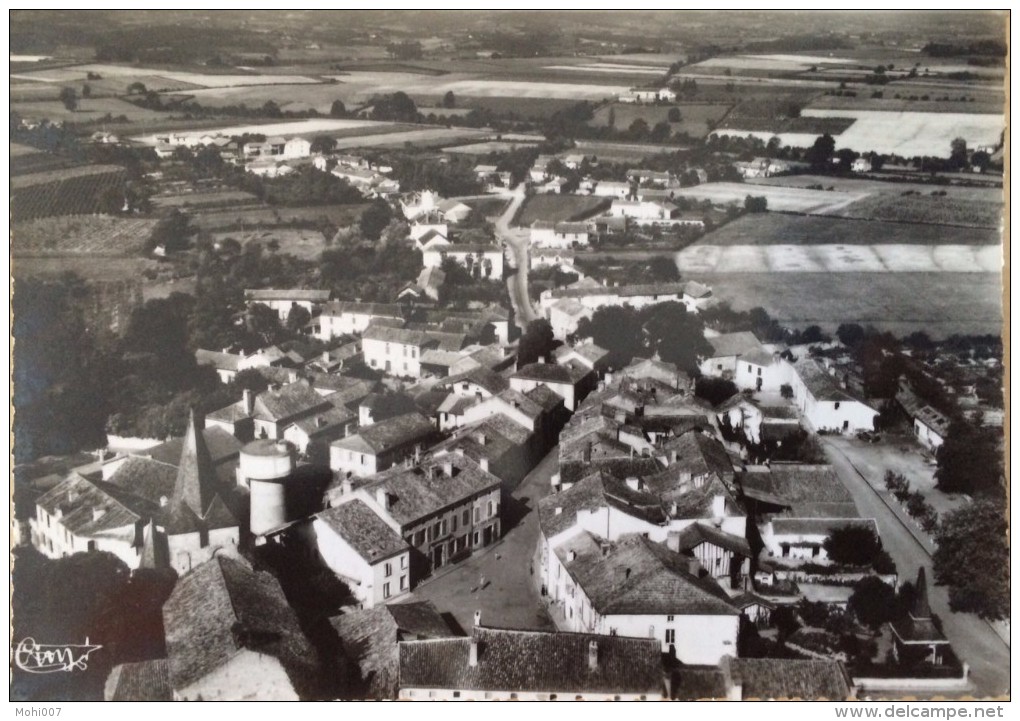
[(749, 368), (453, 523), (373, 362), (837, 405), (670, 635), (474, 540), (478, 514), (386, 590), (403, 583), (467, 517), (489, 510), (719, 366), (456, 694), (362, 459), (759, 371), (388, 569), (403, 561), (669, 618)]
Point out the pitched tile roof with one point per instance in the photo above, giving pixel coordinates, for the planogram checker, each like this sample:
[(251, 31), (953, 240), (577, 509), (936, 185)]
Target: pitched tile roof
[(570, 373), (196, 475), (807, 490), (141, 681), (289, 402), (222, 607), (218, 360), (774, 678), (640, 577), (369, 639), (146, 478), (390, 433), (382, 310), (222, 446), (699, 683), (819, 383), (423, 490), (699, 455), (733, 344), (486, 378), (363, 530), (558, 512), (395, 335), (534, 661), (697, 533), (818, 526), (88, 508)]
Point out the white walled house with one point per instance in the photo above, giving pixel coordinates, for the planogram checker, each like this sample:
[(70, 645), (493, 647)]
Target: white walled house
[(691, 294), (365, 551), (824, 404), (283, 301), (759, 370), (612, 189), (804, 538), (380, 445), (636, 587), (351, 318), (394, 351), (727, 348), (558, 235), (482, 261), (571, 380), (297, 148)]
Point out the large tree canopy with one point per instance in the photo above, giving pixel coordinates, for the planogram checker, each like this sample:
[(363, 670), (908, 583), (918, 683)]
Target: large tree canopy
[(969, 460), (973, 559), (536, 343)]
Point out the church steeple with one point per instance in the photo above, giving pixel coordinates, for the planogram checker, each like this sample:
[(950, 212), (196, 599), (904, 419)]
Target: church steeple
[(196, 475)]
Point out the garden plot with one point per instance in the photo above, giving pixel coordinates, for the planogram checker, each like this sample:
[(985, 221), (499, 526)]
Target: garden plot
[(769, 63), (609, 68), (797, 200), (911, 134)]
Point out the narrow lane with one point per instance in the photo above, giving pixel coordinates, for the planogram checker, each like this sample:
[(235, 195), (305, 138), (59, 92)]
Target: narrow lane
[(973, 640)]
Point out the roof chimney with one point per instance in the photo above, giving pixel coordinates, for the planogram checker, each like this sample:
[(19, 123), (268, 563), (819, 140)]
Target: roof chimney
[(480, 438), (382, 498), (586, 453), (478, 618), (98, 513), (320, 422), (325, 356), (473, 651), (484, 464), (571, 555), (249, 402), (626, 574), (163, 501), (346, 487), (448, 469), (593, 655)]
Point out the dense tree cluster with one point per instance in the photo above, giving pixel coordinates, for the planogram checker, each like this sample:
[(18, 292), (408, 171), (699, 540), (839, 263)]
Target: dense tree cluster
[(973, 559)]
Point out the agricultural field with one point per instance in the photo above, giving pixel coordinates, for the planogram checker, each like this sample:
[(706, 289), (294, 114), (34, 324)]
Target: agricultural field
[(92, 235), (492, 146), (430, 136), (982, 102), (696, 119), (79, 73), (25, 159), (796, 200), (619, 152), (311, 126), (88, 110), (769, 229), (199, 199), (302, 243), (610, 69), (840, 258), (911, 134), (556, 208), (527, 108), (263, 217), (70, 191), (938, 303), (924, 209)]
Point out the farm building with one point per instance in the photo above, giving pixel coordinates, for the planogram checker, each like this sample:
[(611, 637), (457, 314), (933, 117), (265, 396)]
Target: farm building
[(285, 300), (481, 261), (930, 426), (558, 235), (826, 405)]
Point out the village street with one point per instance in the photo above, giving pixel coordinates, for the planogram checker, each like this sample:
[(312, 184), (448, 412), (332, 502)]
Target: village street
[(517, 242), (974, 640), (510, 598)]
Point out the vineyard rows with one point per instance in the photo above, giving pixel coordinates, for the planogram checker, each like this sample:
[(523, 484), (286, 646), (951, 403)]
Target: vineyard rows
[(69, 192)]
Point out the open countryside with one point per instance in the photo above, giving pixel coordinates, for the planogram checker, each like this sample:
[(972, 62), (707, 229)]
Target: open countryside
[(411, 355)]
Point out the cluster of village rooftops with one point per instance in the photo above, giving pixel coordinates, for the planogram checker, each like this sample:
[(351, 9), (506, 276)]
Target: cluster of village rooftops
[(390, 455)]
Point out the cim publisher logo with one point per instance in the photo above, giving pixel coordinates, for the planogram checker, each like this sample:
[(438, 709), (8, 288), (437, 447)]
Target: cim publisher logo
[(33, 657)]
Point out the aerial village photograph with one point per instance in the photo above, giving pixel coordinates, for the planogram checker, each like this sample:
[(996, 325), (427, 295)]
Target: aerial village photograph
[(437, 355)]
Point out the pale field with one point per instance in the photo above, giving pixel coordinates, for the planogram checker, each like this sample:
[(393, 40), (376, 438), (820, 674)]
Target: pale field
[(370, 83), (296, 127), (867, 185), (206, 80), (798, 200), (608, 68), (836, 258), (774, 63), (794, 140), (429, 136), (494, 146), (89, 109), (911, 134), (663, 60), (28, 58)]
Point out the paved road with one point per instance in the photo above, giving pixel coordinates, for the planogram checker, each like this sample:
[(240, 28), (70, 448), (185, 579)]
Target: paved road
[(510, 598), (517, 241), (973, 640)]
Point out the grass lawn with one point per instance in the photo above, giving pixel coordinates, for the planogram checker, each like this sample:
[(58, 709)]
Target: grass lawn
[(556, 208), (263, 217), (695, 118), (938, 303)]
